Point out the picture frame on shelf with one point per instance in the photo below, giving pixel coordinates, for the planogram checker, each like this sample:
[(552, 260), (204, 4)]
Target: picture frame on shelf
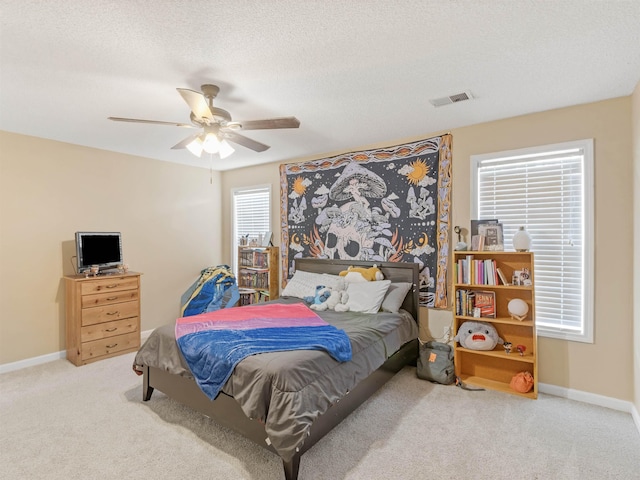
[(522, 277), (525, 277), (475, 224), (266, 240), (493, 236)]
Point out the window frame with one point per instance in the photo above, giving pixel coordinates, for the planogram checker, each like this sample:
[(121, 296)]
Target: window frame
[(586, 146), (234, 231)]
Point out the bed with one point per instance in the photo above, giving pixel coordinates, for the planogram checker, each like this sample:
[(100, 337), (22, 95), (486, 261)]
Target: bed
[(287, 401)]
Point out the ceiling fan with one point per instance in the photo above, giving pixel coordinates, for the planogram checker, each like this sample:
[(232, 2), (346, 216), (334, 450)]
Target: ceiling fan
[(217, 127)]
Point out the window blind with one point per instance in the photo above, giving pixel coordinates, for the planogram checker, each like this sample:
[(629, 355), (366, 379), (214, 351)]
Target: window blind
[(546, 192), (251, 212)]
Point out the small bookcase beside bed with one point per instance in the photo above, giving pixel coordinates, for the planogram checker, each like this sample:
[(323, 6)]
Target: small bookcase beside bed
[(327, 392)]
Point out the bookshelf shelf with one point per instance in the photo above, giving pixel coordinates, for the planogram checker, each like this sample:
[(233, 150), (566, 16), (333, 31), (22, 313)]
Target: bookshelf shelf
[(513, 356), (258, 274), (476, 272)]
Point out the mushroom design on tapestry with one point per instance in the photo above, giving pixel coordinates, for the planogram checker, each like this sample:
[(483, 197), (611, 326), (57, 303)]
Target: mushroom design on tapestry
[(321, 200), (349, 234), (420, 206), (389, 206)]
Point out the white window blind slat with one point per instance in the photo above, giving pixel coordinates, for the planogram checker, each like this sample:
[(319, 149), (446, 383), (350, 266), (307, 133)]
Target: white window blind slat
[(548, 190), (251, 215)]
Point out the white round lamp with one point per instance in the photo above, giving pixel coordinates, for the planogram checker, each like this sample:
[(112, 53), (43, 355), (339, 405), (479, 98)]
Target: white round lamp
[(521, 240), (518, 309)]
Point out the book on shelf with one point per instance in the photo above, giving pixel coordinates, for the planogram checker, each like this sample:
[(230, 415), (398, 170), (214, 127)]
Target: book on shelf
[(477, 243), (476, 272), (486, 303), (465, 302), (502, 276)]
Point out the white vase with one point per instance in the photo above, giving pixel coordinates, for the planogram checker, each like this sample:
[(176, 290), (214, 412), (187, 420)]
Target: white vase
[(521, 240)]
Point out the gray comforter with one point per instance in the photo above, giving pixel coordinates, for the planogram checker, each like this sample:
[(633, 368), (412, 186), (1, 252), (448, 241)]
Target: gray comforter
[(287, 391)]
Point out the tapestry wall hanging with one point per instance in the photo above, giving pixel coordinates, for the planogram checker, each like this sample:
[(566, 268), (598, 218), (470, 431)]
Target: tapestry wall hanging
[(384, 205)]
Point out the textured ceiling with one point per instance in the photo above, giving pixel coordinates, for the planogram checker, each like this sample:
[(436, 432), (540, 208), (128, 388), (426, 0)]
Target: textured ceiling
[(354, 72)]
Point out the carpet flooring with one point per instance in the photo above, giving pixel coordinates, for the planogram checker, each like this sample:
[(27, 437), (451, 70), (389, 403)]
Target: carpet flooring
[(58, 421)]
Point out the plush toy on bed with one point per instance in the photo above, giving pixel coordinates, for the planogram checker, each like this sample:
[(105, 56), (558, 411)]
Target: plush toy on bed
[(330, 299), (358, 274), (321, 296), (478, 336)]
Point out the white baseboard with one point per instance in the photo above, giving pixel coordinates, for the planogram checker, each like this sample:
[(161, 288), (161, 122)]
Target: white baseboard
[(593, 399), (636, 417), (50, 357), (30, 362), (586, 397)]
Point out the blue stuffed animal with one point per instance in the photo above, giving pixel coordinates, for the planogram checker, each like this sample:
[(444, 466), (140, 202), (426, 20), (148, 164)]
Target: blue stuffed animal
[(321, 296)]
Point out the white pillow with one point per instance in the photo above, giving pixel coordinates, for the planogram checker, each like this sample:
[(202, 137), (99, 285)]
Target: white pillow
[(366, 297), (395, 296), (303, 284)]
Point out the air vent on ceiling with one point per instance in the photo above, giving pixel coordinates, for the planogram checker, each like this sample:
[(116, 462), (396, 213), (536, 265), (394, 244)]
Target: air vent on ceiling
[(458, 97)]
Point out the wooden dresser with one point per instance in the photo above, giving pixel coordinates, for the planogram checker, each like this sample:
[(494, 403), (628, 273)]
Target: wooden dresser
[(102, 316)]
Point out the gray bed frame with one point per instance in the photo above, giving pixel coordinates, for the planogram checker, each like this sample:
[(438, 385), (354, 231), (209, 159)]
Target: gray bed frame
[(226, 411)]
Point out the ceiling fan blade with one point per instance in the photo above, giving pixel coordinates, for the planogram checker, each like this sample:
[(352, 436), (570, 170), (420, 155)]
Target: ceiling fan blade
[(270, 123), (155, 122), (197, 103), (245, 142), (185, 142)]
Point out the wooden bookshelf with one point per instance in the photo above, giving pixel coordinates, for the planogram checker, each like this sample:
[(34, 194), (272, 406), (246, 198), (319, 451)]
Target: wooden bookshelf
[(495, 368), (258, 273)]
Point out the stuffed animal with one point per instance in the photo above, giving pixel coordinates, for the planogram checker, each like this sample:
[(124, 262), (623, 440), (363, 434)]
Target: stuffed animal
[(336, 300), (478, 336), (358, 274), (321, 296)]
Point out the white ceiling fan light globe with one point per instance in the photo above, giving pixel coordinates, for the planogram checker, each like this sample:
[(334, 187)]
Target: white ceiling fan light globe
[(225, 149), (195, 147), (211, 143)]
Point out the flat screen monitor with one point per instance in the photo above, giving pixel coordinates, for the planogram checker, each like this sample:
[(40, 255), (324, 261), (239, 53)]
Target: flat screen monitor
[(103, 249)]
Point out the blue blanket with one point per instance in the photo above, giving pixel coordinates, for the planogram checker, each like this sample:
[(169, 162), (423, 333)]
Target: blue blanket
[(214, 343), (215, 289)]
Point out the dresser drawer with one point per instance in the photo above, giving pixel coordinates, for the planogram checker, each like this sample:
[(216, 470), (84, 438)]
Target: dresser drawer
[(106, 346), (110, 284), (109, 313), (109, 298), (108, 329)]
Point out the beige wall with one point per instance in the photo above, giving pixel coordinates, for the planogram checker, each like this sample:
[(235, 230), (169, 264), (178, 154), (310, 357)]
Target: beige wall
[(171, 220), (635, 99), (169, 216), (604, 367)]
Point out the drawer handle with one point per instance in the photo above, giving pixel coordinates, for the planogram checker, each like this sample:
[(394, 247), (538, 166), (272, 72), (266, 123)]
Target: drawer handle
[(111, 286), (112, 298), (111, 329), (112, 345), (113, 313)]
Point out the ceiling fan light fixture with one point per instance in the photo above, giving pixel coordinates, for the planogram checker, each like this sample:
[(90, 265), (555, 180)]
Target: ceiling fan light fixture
[(225, 149), (211, 143), (196, 147)]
